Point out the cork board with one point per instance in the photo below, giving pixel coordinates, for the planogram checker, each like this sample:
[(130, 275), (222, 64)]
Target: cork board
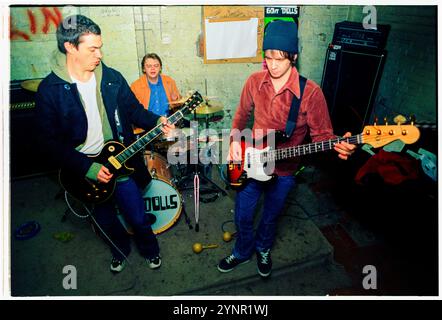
[(234, 14)]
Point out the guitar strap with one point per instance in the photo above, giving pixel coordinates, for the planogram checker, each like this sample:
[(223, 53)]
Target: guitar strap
[(294, 109)]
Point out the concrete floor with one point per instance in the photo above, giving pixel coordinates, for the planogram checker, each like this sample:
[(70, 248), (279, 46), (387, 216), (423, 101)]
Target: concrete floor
[(306, 259)]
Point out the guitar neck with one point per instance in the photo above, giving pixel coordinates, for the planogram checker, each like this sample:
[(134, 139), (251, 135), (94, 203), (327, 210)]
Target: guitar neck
[(139, 145), (305, 149)]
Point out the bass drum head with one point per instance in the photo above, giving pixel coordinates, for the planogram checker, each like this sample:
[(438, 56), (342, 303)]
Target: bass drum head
[(163, 204)]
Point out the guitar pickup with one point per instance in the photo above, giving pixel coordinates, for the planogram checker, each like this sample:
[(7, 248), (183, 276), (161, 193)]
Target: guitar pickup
[(112, 160)]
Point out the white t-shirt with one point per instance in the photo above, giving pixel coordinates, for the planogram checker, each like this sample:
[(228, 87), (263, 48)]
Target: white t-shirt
[(94, 139)]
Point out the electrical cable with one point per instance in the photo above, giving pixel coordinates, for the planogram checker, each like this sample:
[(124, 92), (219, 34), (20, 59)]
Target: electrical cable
[(222, 168), (224, 223), (72, 209), (89, 214)]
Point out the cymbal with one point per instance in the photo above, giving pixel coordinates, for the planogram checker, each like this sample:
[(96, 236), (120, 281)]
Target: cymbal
[(179, 101), (31, 85), (184, 99), (210, 117), (209, 107)]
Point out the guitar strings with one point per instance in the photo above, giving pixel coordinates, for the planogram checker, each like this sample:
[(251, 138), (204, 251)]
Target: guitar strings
[(367, 139), (153, 133), (258, 156)]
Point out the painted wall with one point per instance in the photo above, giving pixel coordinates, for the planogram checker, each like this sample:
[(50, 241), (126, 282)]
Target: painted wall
[(33, 38)]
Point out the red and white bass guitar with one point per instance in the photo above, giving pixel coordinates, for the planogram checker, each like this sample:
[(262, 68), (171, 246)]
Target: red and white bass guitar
[(256, 162)]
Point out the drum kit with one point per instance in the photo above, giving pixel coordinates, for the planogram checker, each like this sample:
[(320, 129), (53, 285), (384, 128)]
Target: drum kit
[(164, 202)]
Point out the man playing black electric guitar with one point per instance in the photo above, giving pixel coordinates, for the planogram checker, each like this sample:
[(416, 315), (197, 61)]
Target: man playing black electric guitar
[(82, 104)]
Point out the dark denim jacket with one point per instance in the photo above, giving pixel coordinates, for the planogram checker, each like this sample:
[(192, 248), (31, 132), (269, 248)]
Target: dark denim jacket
[(62, 124)]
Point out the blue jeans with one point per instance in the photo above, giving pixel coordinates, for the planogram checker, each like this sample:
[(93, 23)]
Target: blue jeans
[(275, 194), (127, 196)]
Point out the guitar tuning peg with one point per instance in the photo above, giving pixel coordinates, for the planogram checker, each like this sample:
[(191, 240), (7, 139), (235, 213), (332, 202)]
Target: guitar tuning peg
[(386, 121), (412, 119), (375, 120), (399, 119)]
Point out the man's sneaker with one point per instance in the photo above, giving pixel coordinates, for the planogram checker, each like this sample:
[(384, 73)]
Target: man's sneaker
[(154, 262), (117, 265), (264, 263), (229, 263)]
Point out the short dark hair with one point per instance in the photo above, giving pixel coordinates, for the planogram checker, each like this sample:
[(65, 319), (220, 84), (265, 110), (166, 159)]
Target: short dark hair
[(290, 56), (287, 55), (72, 28), (150, 56)]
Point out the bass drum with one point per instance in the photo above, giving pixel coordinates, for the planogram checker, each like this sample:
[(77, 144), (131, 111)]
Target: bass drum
[(163, 202)]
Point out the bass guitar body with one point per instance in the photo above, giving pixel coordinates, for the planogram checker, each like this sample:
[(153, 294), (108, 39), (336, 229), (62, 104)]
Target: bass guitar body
[(251, 166)]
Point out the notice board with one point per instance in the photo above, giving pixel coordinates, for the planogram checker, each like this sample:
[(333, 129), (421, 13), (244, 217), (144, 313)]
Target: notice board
[(233, 34)]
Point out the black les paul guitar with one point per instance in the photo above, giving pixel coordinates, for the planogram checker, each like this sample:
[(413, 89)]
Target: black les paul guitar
[(113, 156)]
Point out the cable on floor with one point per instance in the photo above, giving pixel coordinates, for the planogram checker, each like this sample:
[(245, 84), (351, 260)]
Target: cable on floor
[(89, 215)]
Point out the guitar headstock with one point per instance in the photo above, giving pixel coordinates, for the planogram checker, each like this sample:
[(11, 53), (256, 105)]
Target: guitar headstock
[(193, 101), (381, 135)]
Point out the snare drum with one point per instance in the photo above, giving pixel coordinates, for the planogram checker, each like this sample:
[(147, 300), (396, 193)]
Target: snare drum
[(157, 165)]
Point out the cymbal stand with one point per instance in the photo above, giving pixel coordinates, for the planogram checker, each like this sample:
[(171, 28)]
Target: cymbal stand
[(199, 174)]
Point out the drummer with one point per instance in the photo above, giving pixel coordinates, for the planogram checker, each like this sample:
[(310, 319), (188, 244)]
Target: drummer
[(154, 90)]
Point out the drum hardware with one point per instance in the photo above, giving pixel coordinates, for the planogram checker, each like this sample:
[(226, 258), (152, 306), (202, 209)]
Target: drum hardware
[(201, 174), (160, 169)]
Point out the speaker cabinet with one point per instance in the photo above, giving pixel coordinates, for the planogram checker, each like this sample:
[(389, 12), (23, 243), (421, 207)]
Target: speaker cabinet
[(349, 82), (26, 158)]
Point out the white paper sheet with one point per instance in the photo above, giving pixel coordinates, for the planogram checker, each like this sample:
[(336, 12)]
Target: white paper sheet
[(231, 39)]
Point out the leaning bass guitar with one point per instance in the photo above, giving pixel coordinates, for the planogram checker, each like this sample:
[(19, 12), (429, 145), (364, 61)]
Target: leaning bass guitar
[(255, 161), (113, 156)]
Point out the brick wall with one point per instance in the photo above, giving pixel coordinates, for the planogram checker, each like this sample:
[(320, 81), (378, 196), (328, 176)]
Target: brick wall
[(408, 84), (172, 32), (316, 27), (34, 39)]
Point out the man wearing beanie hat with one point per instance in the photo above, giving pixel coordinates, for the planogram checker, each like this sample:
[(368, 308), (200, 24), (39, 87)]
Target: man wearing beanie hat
[(269, 94)]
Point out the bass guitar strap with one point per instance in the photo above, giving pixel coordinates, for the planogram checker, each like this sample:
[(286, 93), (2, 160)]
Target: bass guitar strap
[(294, 109)]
